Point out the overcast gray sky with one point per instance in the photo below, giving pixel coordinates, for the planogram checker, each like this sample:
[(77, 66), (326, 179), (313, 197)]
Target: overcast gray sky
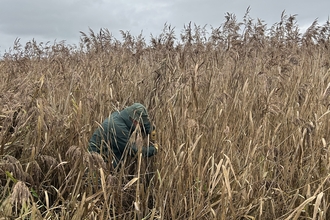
[(50, 20)]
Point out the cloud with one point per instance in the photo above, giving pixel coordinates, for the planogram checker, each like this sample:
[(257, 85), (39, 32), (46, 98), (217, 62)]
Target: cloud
[(63, 19)]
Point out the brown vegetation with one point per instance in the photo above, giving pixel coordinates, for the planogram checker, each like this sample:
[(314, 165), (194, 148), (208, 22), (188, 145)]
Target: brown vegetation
[(242, 116)]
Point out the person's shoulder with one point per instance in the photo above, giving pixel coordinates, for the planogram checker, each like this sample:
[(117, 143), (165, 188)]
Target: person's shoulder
[(117, 118), (114, 114)]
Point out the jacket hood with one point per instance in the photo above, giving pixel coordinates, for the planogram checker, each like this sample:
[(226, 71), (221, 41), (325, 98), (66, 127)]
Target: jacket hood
[(138, 113)]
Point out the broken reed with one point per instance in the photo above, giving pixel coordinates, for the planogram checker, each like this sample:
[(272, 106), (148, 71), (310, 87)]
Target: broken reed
[(242, 116)]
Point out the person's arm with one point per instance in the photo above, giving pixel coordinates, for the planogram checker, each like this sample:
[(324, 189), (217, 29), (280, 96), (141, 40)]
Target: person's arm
[(146, 151), (98, 143), (149, 151)]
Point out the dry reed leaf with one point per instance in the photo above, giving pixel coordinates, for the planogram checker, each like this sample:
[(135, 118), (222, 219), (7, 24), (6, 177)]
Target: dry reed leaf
[(321, 185), (79, 213), (324, 114), (296, 213), (136, 206), (196, 142), (103, 182), (228, 161), (317, 205), (47, 199), (130, 183), (227, 182), (215, 177), (324, 143), (326, 92), (249, 217), (261, 204)]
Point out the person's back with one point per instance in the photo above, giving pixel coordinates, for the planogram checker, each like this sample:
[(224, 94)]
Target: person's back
[(111, 139)]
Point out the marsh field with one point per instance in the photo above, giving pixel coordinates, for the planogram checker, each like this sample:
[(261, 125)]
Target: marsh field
[(242, 115)]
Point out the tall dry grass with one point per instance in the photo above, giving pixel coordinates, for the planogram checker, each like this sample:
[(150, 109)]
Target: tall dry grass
[(241, 113)]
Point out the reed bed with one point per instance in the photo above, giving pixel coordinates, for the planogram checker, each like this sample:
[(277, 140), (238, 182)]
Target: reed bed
[(242, 115)]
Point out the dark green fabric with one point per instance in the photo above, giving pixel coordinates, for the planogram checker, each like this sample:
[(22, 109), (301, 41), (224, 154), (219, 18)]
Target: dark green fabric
[(111, 138)]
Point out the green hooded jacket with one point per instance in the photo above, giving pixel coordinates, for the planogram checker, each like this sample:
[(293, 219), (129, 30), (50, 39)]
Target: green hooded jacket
[(111, 139)]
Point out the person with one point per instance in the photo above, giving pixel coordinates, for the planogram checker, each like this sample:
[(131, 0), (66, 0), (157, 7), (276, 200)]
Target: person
[(111, 139)]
